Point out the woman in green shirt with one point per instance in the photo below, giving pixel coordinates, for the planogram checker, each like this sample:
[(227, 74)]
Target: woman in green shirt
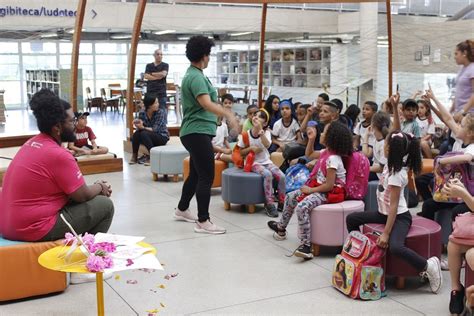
[(198, 127)]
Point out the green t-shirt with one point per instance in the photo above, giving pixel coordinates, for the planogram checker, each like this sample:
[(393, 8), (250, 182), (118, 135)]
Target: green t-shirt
[(196, 120), (247, 125)]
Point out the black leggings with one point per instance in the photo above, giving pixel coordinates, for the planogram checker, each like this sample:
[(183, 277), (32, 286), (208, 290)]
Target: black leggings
[(430, 207), (148, 139), (424, 185), (397, 236), (201, 173)]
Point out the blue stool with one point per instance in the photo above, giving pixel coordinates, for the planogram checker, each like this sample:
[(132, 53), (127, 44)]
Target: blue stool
[(244, 188)]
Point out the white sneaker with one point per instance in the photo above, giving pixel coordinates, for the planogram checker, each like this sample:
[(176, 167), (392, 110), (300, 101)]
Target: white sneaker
[(184, 216), (208, 227), (444, 265), (79, 278), (433, 273)]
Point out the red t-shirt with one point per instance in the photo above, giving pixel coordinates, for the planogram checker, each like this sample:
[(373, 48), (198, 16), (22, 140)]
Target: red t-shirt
[(35, 187), (82, 135)]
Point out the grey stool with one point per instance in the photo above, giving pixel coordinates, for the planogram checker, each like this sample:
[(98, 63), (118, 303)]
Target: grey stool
[(244, 188), (167, 160)]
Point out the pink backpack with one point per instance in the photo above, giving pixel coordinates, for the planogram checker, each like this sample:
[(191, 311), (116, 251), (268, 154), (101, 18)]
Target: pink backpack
[(357, 176), (357, 173), (358, 271)]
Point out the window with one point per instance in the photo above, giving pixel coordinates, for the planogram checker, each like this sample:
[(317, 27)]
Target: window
[(38, 48), (39, 62), (8, 47), (147, 49), (84, 48), (110, 48)]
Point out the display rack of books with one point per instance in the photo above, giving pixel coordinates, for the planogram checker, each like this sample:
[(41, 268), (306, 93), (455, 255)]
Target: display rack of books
[(58, 81), (287, 67)]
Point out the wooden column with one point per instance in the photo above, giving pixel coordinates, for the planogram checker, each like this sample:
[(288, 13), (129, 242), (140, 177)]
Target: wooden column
[(131, 65), (76, 41), (389, 34), (261, 56)]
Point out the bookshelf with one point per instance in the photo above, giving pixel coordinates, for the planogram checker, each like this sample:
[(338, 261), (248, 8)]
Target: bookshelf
[(287, 67), (53, 79)]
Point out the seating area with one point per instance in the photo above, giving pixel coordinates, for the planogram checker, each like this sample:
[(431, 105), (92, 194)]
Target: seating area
[(237, 157)]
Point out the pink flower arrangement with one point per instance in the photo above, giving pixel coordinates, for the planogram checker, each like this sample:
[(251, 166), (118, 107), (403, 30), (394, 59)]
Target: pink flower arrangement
[(99, 257), (95, 263), (102, 246)]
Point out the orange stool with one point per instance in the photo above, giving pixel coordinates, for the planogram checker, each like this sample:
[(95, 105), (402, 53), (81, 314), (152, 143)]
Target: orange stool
[(20, 273), (218, 168), (427, 166)]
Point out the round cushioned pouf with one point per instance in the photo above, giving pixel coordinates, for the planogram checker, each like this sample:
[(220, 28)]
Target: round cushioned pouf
[(424, 238), (244, 188), (167, 160), (328, 223), (19, 266), (219, 167)]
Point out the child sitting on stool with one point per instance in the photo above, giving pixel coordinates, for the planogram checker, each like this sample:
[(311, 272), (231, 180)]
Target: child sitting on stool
[(84, 133)]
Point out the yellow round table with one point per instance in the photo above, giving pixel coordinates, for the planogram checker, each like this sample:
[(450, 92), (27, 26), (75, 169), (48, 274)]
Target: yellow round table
[(50, 260)]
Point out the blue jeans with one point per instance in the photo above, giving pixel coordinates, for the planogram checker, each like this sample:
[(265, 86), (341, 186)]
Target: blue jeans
[(162, 101)]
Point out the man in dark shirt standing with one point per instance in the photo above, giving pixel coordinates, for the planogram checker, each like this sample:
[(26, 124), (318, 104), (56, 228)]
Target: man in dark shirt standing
[(155, 74)]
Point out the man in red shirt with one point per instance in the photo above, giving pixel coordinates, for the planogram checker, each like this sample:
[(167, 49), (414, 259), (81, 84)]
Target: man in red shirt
[(44, 180), (84, 134)]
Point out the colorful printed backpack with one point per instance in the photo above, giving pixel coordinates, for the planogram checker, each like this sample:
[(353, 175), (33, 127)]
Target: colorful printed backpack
[(295, 177), (444, 173), (358, 271), (357, 173)]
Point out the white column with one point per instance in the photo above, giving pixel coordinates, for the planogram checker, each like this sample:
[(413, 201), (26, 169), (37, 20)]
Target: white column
[(368, 48)]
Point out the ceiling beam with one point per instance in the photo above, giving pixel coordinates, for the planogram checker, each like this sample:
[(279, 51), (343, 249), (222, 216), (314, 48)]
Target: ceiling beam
[(278, 1)]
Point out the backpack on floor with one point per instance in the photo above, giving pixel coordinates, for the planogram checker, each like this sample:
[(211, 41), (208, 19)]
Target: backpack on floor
[(357, 173), (358, 271), (295, 177), (444, 173), (237, 158)]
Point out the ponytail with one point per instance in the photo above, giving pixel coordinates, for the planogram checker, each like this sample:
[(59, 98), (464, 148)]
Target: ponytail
[(404, 150), (467, 47), (381, 121)]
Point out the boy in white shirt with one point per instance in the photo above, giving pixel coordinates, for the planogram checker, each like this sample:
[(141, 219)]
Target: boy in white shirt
[(220, 144)]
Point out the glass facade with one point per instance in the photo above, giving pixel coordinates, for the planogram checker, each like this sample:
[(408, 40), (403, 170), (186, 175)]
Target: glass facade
[(102, 63)]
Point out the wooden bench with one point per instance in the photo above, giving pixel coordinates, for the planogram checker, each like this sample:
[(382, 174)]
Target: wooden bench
[(90, 164)]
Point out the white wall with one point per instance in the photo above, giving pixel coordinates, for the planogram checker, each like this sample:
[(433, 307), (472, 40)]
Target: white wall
[(185, 18), (410, 37)]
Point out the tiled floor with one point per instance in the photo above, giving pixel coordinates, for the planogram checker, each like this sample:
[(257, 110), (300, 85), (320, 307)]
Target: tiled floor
[(242, 272)]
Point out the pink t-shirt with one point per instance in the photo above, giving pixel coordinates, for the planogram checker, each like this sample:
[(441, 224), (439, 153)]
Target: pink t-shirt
[(35, 187)]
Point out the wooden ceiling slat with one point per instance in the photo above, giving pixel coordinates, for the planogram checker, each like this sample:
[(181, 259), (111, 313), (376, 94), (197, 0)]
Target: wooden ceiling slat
[(279, 1)]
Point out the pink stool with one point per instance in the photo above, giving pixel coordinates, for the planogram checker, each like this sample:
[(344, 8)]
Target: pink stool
[(328, 223), (468, 276), (424, 237)]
